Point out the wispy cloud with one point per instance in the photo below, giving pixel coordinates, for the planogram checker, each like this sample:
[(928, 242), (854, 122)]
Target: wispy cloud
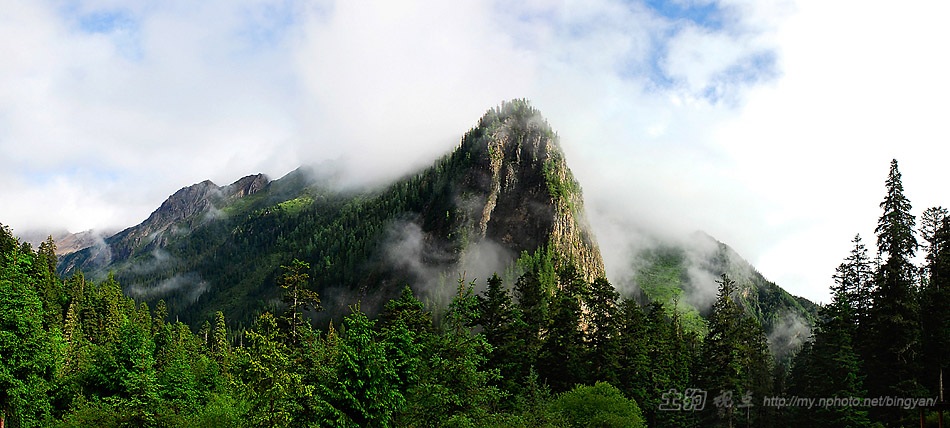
[(729, 116)]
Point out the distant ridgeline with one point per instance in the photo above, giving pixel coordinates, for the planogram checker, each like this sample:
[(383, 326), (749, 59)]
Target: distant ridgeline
[(504, 194)]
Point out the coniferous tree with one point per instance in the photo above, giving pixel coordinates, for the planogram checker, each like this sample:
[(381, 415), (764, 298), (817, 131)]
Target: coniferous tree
[(406, 328), (407, 310), (26, 352), (660, 366), (367, 390), (494, 309), (562, 361), (894, 353), (603, 331), (455, 387), (734, 355), (161, 313), (935, 319), (267, 376), (855, 278), (500, 324), (297, 297), (533, 303), (634, 360), (930, 222), (220, 346), (829, 366)]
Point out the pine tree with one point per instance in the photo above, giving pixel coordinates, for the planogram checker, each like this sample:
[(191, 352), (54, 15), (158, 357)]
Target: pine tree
[(603, 331), (633, 359), (161, 312), (494, 311), (500, 321), (895, 314), (659, 372), (367, 390), (735, 353), (830, 366), (26, 349), (297, 297), (455, 388), (533, 311), (220, 347), (562, 361), (930, 222), (268, 377), (935, 319), (49, 286), (855, 278), (407, 310)]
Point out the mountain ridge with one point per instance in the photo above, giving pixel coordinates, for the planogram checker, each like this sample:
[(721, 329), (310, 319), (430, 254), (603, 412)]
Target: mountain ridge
[(504, 192), (504, 200)]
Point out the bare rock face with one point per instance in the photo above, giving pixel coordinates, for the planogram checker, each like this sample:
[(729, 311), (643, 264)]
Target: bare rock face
[(520, 192), (246, 186)]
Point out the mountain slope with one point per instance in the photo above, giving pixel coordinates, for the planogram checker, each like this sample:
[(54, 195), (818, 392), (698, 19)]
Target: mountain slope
[(503, 193), (684, 275)]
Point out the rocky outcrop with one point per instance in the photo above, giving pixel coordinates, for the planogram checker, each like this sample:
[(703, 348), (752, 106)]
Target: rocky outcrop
[(520, 192), (177, 214), (246, 186), (506, 191)]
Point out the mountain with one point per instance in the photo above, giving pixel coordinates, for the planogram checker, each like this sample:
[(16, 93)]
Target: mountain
[(66, 242), (683, 276), (504, 198), (183, 210)]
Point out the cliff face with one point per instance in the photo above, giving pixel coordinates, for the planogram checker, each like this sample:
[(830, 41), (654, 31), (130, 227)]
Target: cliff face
[(520, 192)]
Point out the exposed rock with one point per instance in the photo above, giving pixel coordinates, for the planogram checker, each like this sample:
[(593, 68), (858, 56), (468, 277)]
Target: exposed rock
[(177, 214), (521, 192)]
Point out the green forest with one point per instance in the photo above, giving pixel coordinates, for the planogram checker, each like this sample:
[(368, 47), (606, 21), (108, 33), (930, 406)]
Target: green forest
[(549, 350)]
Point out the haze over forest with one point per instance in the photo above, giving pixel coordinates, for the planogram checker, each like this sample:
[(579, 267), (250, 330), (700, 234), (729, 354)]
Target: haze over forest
[(550, 214), (764, 124)]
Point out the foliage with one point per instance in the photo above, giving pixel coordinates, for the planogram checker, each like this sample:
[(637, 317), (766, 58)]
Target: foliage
[(75, 352), (600, 405)]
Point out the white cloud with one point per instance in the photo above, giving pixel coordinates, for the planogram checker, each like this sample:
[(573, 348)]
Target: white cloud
[(770, 128)]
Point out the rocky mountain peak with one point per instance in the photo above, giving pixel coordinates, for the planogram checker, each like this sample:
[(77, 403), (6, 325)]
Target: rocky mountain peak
[(246, 186), (520, 191)]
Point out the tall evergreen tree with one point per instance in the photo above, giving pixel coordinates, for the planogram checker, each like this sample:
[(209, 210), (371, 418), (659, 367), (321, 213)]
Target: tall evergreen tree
[(895, 321), (634, 359), (298, 298), (500, 324), (367, 390), (533, 306), (930, 222), (830, 366), (603, 331), (935, 319), (455, 387), (734, 353), (26, 352), (220, 346), (658, 371), (562, 361), (855, 279), (268, 376), (408, 310)]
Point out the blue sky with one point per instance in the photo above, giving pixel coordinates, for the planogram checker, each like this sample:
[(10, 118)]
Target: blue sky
[(768, 124)]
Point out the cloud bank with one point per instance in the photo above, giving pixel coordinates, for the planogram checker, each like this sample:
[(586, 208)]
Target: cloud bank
[(767, 124)]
